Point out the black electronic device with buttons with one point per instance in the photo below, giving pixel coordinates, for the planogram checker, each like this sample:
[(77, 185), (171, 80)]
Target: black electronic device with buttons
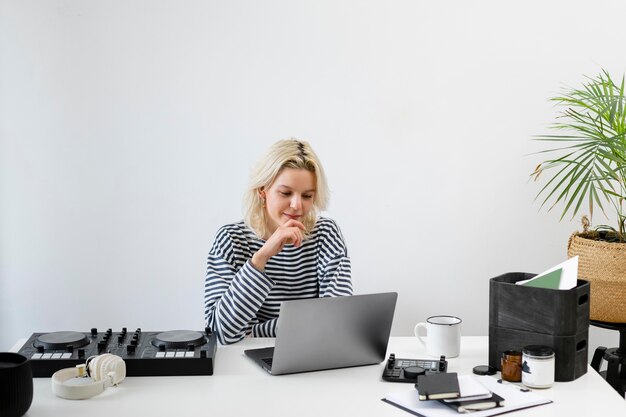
[(146, 353), (407, 370)]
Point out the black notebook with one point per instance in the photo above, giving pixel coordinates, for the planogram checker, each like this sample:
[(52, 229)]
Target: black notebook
[(476, 405), (438, 386)]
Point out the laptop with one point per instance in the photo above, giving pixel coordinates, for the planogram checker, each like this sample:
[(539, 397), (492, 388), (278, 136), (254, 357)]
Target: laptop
[(327, 333)]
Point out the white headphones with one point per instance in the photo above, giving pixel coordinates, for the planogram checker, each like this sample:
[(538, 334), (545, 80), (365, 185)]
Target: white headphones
[(104, 370)]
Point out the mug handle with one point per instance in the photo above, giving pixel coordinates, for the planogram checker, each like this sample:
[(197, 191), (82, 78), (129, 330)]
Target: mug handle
[(417, 334)]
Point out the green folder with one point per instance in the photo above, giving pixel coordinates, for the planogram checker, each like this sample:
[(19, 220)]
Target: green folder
[(549, 280)]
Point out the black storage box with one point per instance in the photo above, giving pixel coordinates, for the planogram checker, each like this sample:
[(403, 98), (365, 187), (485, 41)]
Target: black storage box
[(521, 316)]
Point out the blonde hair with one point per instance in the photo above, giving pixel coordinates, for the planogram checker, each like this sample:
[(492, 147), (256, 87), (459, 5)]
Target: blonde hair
[(289, 153)]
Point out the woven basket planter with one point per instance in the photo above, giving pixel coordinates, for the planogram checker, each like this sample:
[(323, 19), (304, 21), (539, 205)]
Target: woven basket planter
[(603, 264)]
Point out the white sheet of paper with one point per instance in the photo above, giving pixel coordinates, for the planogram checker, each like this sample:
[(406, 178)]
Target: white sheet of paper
[(569, 274)]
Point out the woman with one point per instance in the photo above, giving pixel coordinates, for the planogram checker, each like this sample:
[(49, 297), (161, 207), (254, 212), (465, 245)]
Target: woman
[(281, 251)]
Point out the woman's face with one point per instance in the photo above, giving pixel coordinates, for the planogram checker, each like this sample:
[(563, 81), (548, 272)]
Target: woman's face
[(291, 196)]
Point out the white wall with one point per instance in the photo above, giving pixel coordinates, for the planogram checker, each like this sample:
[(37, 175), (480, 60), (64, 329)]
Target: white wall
[(127, 131)]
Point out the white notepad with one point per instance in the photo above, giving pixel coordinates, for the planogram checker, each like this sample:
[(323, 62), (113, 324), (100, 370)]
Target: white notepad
[(471, 389)]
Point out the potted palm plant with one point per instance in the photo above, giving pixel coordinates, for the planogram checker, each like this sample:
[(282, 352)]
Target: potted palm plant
[(588, 170)]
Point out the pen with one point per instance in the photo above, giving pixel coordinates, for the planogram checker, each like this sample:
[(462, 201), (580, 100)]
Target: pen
[(522, 387)]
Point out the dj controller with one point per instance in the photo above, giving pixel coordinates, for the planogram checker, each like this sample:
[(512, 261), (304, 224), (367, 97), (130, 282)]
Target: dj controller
[(176, 352)]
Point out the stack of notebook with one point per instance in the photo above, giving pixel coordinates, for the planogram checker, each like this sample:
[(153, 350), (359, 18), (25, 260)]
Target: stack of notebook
[(445, 394), (462, 393)]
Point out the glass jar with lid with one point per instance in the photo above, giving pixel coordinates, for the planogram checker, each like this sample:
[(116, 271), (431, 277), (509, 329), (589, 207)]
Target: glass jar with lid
[(538, 366)]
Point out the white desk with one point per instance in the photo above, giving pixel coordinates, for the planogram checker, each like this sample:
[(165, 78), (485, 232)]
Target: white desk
[(241, 387)]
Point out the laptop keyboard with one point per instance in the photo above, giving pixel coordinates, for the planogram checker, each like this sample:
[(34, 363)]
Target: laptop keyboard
[(268, 362)]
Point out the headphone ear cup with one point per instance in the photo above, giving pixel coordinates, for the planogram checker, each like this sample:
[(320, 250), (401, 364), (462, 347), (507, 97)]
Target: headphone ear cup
[(116, 366), (102, 365), (94, 365)]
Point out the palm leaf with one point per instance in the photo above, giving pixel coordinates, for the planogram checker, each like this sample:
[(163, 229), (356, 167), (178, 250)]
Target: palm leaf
[(591, 163)]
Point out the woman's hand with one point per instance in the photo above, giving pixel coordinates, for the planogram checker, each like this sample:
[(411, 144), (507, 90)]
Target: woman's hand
[(292, 232)]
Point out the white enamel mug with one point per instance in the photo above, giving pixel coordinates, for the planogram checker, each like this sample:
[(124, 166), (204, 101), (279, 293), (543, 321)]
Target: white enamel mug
[(443, 336)]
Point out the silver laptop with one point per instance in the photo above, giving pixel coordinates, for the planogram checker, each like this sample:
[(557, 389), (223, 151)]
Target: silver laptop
[(327, 333)]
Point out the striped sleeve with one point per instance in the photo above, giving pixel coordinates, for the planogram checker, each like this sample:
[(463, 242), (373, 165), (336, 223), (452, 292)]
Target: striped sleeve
[(232, 297), (334, 268), (265, 329)]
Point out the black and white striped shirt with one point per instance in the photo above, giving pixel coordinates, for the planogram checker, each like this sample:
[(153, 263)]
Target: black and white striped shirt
[(240, 300)]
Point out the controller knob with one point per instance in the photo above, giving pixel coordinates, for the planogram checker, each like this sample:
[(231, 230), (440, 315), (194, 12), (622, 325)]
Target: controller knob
[(412, 372), (130, 349), (40, 349), (94, 331)]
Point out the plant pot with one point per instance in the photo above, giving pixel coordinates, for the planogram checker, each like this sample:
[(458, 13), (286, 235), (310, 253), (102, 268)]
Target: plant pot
[(603, 264)]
